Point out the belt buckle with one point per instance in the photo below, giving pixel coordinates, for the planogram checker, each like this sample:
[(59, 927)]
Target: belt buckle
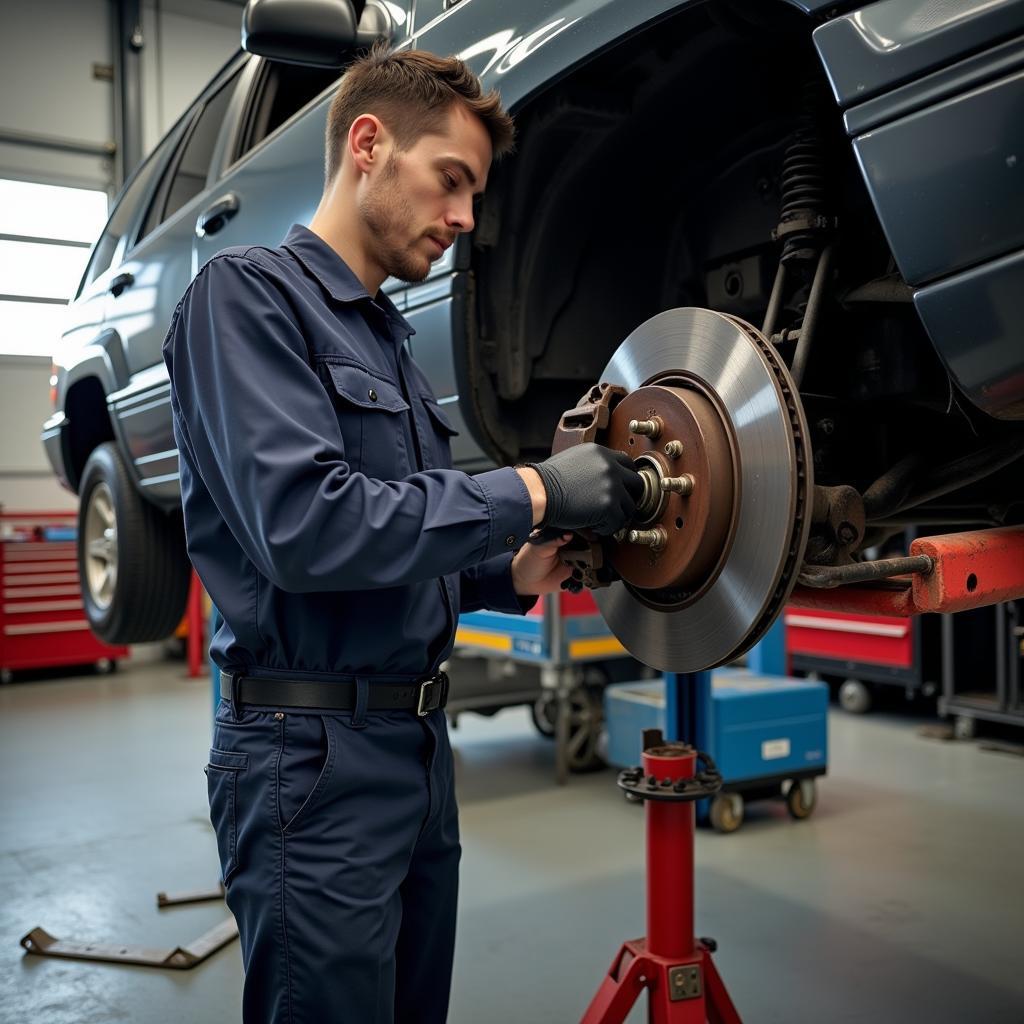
[(432, 694)]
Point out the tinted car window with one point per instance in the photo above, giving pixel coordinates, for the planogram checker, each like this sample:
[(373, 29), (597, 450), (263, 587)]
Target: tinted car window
[(188, 178), (280, 91), (123, 216)]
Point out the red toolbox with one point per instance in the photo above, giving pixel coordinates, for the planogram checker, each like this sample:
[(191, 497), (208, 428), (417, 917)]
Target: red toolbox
[(42, 621), (904, 650)]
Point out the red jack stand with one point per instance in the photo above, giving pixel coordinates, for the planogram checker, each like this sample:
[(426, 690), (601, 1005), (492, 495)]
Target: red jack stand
[(676, 968)]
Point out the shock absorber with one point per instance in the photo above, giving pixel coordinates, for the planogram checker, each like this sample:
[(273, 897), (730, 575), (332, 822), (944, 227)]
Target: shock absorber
[(804, 221), (804, 229)]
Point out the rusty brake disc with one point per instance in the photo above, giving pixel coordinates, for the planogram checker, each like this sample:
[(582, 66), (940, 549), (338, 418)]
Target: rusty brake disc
[(710, 415)]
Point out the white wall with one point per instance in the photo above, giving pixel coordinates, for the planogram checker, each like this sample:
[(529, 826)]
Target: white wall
[(26, 480), (187, 42), (47, 85), (47, 49)]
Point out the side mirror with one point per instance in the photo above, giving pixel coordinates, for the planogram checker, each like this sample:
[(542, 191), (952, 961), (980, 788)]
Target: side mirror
[(314, 33)]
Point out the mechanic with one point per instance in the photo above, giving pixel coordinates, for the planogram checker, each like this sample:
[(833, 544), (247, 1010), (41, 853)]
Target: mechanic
[(326, 522)]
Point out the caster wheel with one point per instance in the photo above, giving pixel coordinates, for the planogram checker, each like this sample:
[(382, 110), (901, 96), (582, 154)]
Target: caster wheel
[(6, 676), (965, 728), (543, 712), (726, 812), (106, 667), (801, 798), (854, 697)]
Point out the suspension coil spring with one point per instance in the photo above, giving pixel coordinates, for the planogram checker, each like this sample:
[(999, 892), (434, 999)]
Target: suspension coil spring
[(804, 185)]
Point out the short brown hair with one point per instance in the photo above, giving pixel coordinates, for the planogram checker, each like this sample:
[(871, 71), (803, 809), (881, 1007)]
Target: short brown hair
[(411, 91)]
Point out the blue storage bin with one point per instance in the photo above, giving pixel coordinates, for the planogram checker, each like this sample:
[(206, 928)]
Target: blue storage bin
[(762, 727), (767, 726), (629, 708)]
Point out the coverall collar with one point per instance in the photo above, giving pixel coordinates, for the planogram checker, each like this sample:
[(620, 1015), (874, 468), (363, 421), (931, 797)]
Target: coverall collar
[(337, 277)]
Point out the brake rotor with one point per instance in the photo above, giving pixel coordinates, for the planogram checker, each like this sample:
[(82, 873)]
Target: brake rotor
[(711, 561)]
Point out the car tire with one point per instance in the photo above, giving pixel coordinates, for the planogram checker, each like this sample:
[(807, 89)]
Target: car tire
[(132, 562)]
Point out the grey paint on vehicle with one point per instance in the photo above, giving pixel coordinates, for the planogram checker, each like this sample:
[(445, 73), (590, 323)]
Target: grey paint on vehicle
[(524, 50), (975, 318), (969, 147), (882, 45)]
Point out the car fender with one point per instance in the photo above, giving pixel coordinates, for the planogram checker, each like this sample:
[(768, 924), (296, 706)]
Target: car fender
[(102, 360), (539, 42), (931, 97)]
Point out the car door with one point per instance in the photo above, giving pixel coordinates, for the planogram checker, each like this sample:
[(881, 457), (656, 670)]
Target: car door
[(272, 177), (88, 346), (436, 307), (269, 165), (154, 274)]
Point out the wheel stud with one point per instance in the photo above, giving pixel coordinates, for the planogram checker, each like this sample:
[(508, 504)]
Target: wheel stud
[(654, 539), (674, 449), (678, 484), (646, 428)]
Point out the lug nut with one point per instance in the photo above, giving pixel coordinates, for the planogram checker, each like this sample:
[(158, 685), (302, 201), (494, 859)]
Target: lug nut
[(678, 484), (653, 539), (647, 428), (674, 449)]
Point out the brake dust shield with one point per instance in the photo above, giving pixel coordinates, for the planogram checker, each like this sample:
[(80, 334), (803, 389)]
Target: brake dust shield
[(709, 413)]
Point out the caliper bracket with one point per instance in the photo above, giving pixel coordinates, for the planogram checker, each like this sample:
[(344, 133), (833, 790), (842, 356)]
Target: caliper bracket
[(588, 421)]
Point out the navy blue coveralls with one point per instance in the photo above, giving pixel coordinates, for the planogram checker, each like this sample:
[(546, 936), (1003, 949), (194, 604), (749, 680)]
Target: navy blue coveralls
[(327, 524)]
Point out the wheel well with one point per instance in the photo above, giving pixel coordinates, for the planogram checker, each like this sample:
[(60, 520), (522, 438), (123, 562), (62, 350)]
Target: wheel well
[(634, 189), (89, 424), (651, 178)]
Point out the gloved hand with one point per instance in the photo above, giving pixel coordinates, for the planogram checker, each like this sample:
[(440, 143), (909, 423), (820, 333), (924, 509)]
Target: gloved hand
[(589, 486)]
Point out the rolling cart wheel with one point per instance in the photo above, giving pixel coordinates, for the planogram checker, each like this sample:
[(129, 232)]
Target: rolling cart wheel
[(6, 676), (965, 727), (801, 798), (726, 812), (543, 712), (854, 697), (586, 720), (106, 666)]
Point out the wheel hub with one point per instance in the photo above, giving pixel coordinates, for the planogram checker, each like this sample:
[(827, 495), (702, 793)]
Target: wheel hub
[(100, 544), (692, 443)]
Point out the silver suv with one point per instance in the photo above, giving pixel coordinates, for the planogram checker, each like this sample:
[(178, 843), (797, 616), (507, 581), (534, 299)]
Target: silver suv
[(670, 154)]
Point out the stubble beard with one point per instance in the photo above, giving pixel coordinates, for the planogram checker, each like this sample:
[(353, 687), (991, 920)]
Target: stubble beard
[(387, 214)]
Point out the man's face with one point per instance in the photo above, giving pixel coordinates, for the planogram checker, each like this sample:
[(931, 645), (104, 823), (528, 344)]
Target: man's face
[(422, 198)]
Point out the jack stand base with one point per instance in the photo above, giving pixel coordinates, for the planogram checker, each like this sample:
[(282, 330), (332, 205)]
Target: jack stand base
[(687, 991), (41, 943), (176, 899)]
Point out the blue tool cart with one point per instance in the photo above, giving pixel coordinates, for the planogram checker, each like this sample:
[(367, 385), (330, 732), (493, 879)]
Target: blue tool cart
[(557, 659)]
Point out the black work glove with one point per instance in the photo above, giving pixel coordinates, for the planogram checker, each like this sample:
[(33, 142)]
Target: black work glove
[(589, 486)]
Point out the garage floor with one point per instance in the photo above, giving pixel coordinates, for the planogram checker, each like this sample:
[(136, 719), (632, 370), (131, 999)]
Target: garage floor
[(901, 898)]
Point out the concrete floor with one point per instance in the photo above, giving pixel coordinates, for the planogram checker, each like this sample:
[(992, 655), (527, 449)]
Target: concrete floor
[(899, 900)]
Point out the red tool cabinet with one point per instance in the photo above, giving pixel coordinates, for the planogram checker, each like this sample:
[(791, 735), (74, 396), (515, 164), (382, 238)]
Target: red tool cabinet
[(904, 650), (42, 621)]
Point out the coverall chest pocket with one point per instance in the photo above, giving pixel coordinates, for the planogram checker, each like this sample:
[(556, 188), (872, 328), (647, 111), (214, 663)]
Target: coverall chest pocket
[(373, 418), (443, 431)]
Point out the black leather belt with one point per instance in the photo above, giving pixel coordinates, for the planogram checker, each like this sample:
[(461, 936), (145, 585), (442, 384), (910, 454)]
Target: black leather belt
[(421, 695)]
